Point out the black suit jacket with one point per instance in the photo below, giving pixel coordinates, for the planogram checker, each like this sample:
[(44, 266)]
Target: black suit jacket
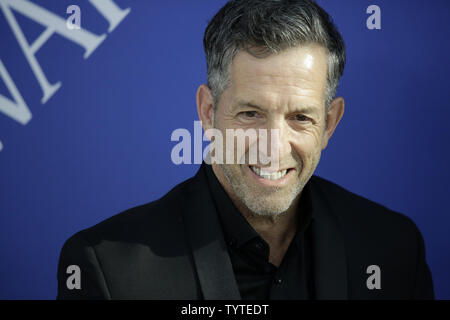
[(174, 248)]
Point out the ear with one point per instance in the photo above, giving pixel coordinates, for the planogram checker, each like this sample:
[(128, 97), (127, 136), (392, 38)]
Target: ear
[(205, 106), (334, 115)]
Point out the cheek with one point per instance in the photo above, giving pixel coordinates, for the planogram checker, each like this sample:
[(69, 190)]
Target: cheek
[(308, 147)]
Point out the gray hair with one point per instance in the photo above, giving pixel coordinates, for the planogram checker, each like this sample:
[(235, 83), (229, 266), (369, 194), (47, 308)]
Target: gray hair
[(265, 27)]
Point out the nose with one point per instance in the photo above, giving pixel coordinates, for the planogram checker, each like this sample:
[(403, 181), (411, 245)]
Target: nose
[(278, 140)]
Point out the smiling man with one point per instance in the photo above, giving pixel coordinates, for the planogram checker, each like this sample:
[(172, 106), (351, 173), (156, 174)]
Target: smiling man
[(247, 230), (287, 92)]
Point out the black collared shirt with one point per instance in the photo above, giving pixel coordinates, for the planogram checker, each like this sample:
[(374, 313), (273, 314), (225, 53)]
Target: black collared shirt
[(256, 277)]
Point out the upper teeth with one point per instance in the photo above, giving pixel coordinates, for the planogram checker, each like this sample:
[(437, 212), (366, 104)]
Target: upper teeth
[(268, 175)]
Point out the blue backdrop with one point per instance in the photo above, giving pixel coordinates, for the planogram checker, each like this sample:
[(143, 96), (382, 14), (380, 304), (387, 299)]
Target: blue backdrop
[(101, 143)]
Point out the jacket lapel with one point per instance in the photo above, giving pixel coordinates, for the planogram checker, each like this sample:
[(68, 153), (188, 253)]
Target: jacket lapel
[(329, 256), (208, 246), (213, 263)]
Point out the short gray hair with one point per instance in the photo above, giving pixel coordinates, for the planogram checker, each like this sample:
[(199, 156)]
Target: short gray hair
[(265, 27)]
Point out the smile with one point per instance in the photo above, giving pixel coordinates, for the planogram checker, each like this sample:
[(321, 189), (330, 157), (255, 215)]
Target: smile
[(261, 172), (270, 178)]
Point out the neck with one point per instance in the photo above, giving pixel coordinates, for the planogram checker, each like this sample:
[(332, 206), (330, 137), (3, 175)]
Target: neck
[(277, 230)]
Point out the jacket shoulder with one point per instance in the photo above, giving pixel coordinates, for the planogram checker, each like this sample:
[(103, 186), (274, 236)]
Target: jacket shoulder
[(114, 254), (374, 233), (349, 205), (160, 216), (369, 226)]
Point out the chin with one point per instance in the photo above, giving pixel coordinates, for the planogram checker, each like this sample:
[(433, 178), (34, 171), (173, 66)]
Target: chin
[(264, 206)]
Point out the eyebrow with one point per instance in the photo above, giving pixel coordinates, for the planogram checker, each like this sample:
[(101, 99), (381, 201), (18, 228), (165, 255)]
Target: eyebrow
[(305, 109), (248, 104)]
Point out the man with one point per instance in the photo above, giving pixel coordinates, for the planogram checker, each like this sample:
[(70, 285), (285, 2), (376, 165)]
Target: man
[(247, 230)]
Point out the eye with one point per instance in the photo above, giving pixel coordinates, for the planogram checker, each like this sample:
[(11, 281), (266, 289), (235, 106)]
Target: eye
[(302, 118), (249, 114)]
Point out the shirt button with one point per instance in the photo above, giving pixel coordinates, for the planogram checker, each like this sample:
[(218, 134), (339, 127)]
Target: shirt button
[(278, 281)]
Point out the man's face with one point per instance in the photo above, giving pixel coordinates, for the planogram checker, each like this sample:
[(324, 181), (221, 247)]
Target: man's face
[(284, 92)]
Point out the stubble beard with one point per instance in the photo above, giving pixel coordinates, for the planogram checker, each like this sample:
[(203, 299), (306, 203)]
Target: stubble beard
[(261, 202)]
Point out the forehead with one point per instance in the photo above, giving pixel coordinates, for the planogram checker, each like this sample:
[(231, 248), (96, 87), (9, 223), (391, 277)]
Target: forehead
[(294, 76)]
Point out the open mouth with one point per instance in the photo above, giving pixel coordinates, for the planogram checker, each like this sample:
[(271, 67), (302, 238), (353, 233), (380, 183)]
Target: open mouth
[(269, 175)]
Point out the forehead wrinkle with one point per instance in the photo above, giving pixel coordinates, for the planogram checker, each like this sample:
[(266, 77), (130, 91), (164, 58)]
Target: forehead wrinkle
[(280, 85), (280, 82), (270, 78), (310, 64), (271, 91), (279, 96)]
